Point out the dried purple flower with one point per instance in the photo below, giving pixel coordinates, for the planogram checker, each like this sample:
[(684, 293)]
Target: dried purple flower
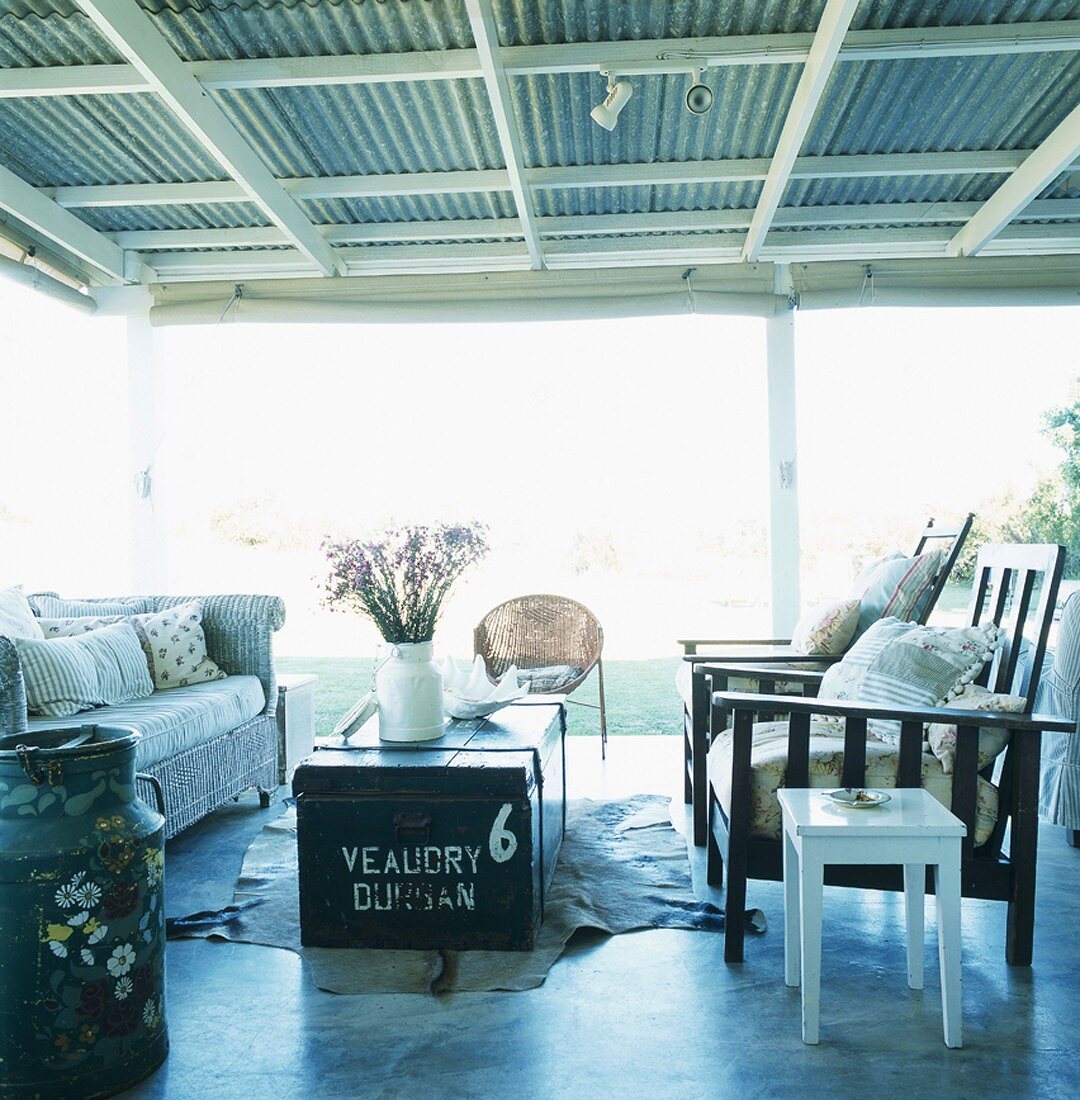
[(400, 580)]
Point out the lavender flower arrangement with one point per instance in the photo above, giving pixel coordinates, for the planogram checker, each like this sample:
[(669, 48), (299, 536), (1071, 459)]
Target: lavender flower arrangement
[(400, 579)]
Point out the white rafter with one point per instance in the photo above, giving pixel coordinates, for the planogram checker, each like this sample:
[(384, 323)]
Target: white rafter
[(485, 34), (807, 246), (130, 30), (1039, 170), (587, 225), (629, 57), (44, 216), (495, 180), (835, 20)]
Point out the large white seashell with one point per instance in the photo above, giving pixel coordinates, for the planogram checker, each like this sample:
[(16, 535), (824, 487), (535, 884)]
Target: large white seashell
[(470, 694)]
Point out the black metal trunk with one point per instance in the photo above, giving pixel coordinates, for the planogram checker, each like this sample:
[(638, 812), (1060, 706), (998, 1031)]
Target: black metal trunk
[(450, 844)]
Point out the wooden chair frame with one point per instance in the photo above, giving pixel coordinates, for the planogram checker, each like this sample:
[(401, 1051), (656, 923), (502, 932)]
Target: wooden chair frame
[(1005, 580), (755, 652)]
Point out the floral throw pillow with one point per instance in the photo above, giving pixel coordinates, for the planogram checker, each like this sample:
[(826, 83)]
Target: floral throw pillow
[(173, 641), (992, 741), (827, 629), (175, 646), (904, 664)]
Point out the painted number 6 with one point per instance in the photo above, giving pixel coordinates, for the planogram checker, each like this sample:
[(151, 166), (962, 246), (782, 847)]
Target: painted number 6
[(502, 843)]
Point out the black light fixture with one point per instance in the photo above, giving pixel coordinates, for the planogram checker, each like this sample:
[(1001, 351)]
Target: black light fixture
[(699, 97)]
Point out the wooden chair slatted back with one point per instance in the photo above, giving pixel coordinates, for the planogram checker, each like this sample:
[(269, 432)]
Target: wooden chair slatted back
[(957, 536), (1006, 575)]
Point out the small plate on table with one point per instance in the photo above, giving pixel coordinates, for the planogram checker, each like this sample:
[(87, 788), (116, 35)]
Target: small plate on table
[(858, 798)]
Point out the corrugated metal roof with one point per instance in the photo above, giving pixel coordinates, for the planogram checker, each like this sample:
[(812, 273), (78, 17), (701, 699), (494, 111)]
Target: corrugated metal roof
[(75, 140), (892, 189), (959, 13), (218, 215), (212, 29), (527, 23), (878, 107), (640, 200), (746, 119), (409, 208), (365, 129)]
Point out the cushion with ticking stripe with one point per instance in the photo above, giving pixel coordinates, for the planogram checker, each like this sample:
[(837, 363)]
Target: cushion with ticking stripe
[(173, 640), (904, 664), (895, 588), (69, 675)]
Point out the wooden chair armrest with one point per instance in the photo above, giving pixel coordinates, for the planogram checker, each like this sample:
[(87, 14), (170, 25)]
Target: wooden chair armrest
[(762, 657), (835, 708), (690, 645), (762, 672)]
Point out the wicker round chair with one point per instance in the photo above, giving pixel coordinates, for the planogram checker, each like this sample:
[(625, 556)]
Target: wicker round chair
[(555, 642)]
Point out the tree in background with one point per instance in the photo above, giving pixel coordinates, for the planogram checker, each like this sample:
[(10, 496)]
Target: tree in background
[(1051, 513)]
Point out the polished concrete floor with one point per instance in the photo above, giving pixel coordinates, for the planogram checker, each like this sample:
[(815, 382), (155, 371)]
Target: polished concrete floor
[(653, 1014)]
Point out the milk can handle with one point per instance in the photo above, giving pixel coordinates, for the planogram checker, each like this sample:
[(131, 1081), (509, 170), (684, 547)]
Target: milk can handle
[(34, 772), (155, 784)]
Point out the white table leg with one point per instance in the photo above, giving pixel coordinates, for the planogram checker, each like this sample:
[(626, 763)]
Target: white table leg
[(947, 892), (791, 912), (914, 903), (811, 883)]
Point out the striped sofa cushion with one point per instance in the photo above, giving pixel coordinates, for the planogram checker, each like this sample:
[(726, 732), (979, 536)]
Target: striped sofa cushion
[(171, 722), (69, 675), (53, 607)]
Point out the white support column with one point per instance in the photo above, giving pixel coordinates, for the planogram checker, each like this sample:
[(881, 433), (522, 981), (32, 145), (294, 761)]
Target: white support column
[(783, 470), (146, 404)]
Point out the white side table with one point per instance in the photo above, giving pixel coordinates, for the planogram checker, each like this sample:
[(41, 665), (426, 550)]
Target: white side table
[(913, 829), (295, 721)]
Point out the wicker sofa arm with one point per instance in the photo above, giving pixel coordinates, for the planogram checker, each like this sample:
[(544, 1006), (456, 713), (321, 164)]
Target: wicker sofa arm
[(12, 690), (239, 634)]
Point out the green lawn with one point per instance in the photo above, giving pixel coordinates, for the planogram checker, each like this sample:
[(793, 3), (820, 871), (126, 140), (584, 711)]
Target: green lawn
[(641, 695)]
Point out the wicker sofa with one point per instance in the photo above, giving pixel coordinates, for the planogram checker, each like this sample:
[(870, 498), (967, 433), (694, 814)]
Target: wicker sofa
[(204, 744)]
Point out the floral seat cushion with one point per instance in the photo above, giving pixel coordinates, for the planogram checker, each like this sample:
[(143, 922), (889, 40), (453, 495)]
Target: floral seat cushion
[(768, 761), (685, 672)]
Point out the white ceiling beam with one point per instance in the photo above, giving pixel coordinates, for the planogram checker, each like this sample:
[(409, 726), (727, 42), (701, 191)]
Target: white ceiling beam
[(59, 80), (485, 33), (63, 228), (829, 37), (496, 180), (659, 55), (372, 68), (861, 245), (129, 29), (1037, 172), (404, 183), (694, 221), (629, 57)]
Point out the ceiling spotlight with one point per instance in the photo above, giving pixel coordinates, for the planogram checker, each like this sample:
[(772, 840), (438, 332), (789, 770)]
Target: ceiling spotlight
[(699, 99), (607, 113)]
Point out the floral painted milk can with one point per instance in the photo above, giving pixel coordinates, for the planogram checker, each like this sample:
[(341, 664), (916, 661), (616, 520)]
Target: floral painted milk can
[(82, 929)]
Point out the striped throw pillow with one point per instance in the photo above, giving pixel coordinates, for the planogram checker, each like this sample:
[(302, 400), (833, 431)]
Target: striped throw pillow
[(69, 675), (895, 588), (907, 665), (173, 640)]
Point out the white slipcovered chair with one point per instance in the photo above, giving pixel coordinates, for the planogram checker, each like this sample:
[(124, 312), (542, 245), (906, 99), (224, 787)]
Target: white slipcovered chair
[(1059, 694)]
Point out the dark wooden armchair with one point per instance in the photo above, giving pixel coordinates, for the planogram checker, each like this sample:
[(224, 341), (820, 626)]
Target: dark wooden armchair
[(1016, 586), (777, 653)]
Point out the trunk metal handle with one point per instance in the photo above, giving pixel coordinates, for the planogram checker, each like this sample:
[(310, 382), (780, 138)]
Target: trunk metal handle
[(412, 825)]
